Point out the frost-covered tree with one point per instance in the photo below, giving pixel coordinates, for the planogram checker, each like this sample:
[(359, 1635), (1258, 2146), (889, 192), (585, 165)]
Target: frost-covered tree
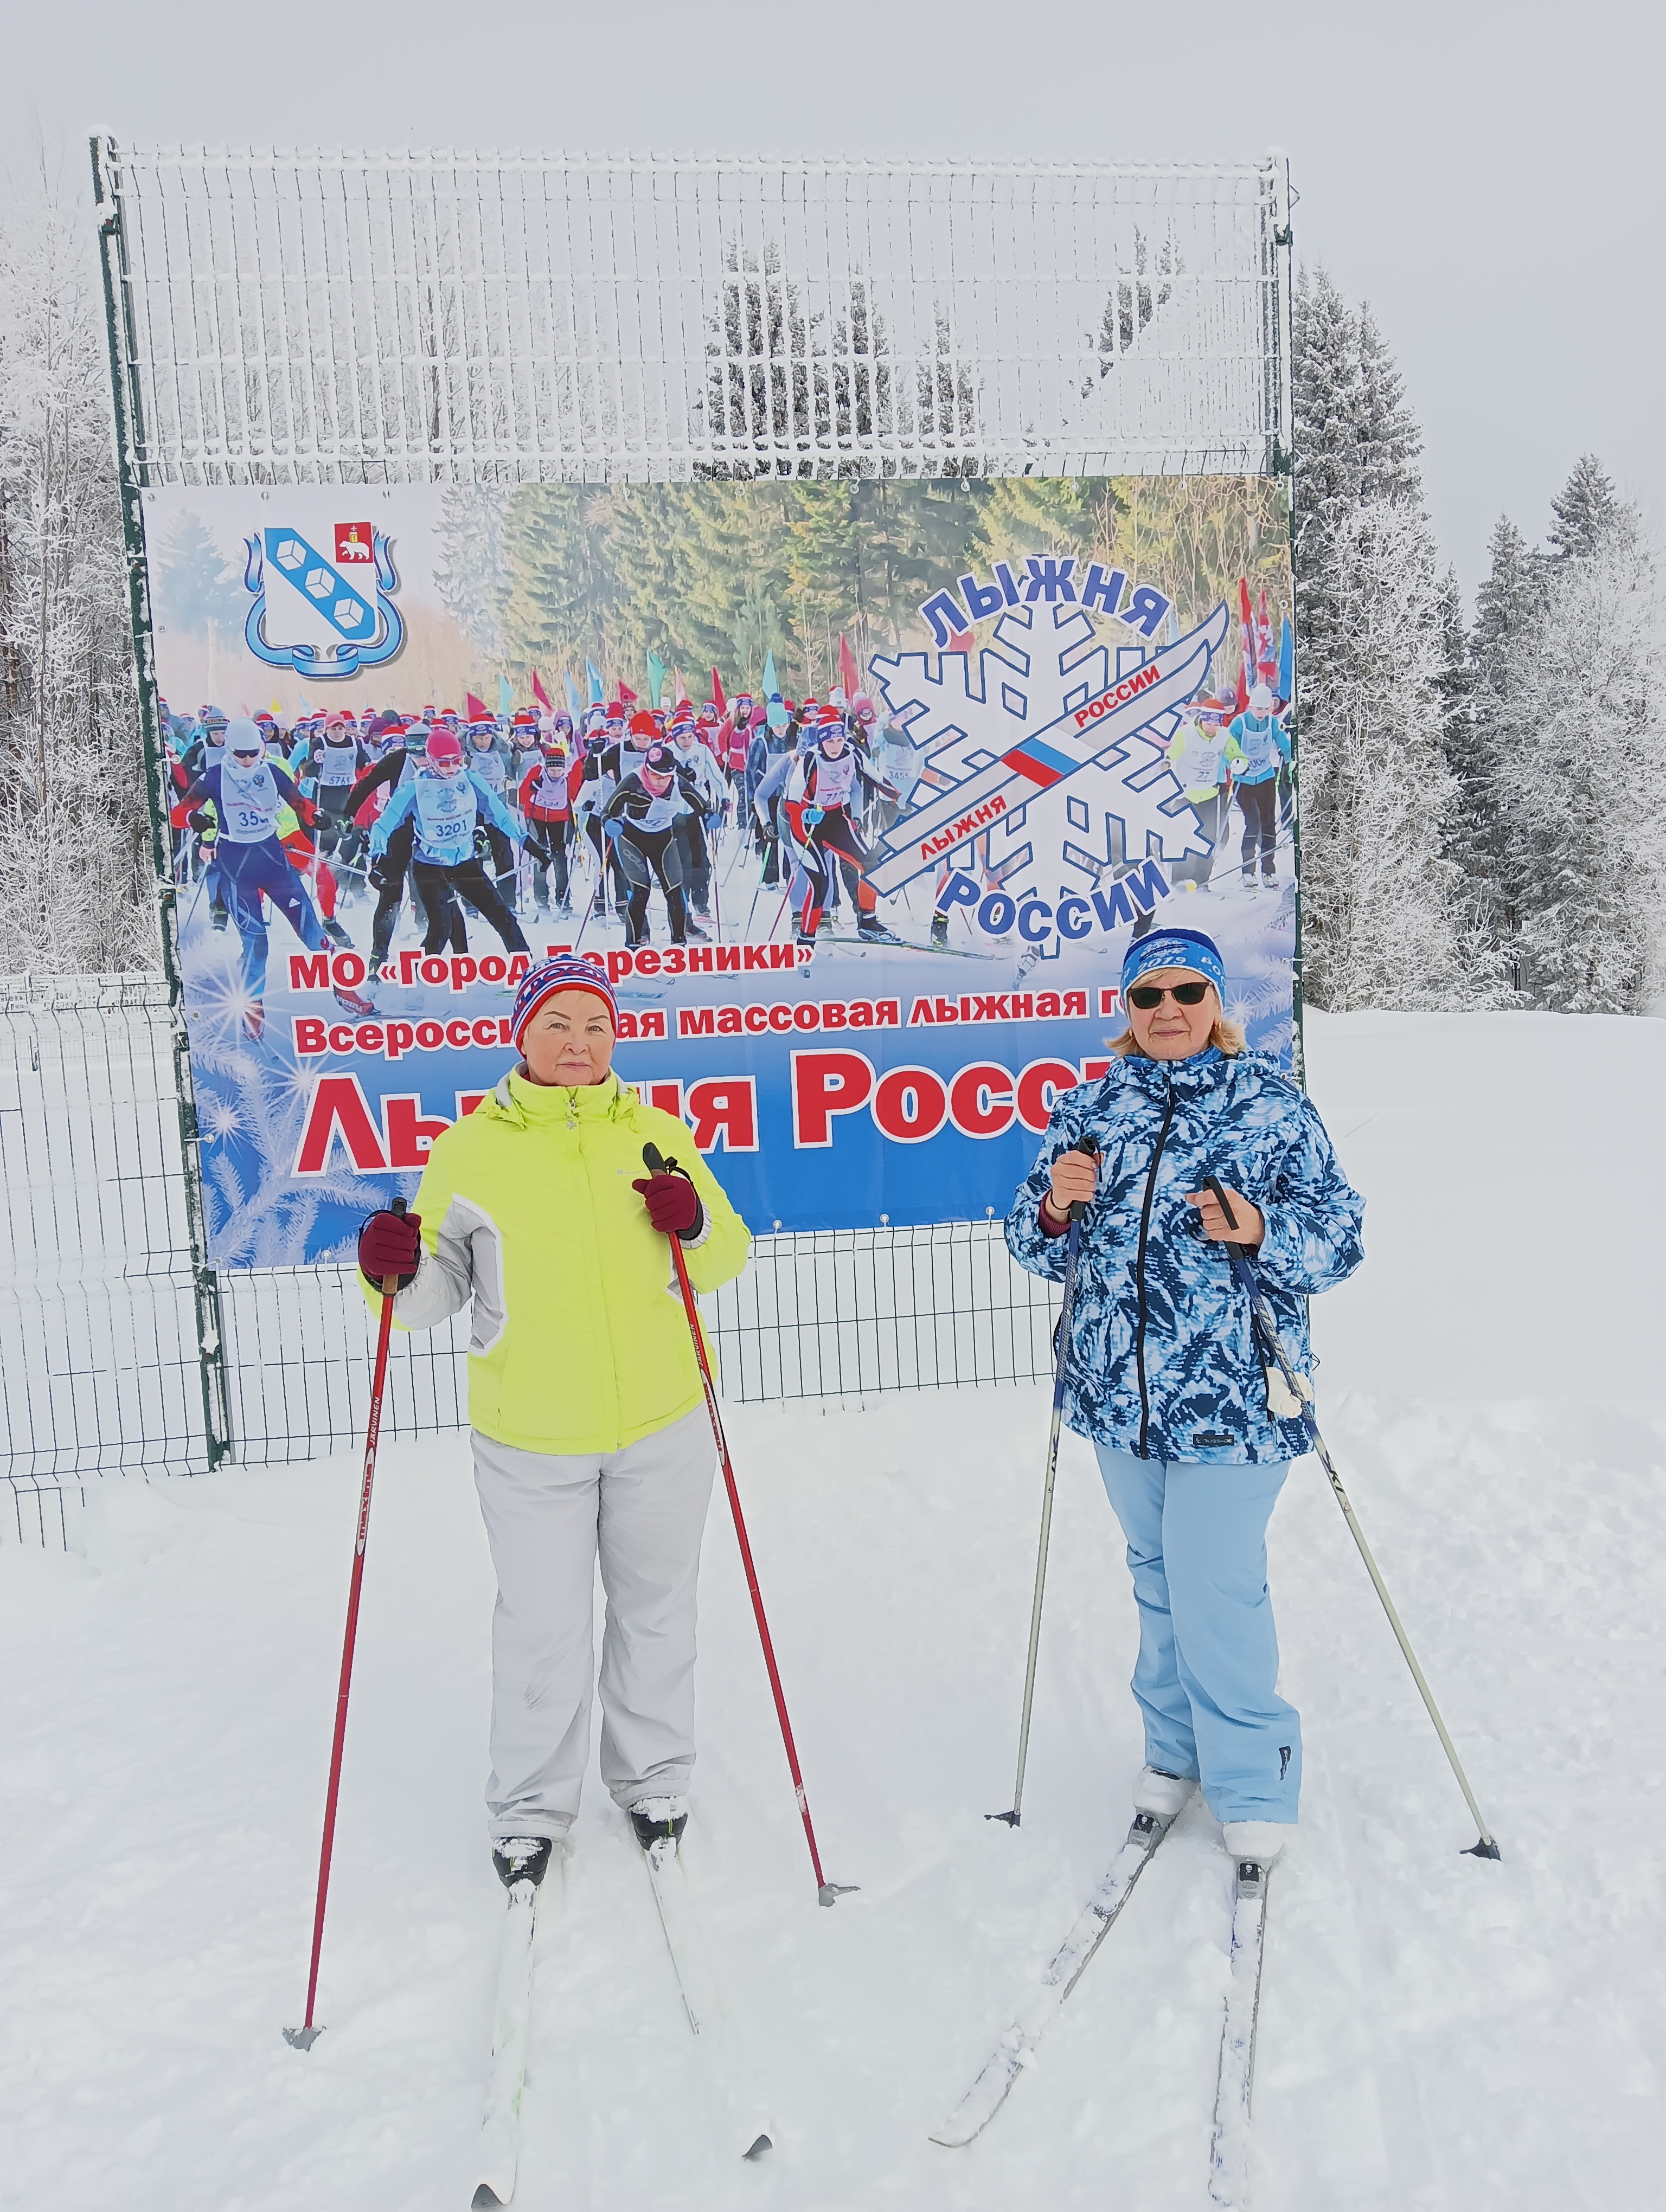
[(1578, 760), (1386, 917), (1482, 743), (1587, 511), (75, 841), (1389, 917)]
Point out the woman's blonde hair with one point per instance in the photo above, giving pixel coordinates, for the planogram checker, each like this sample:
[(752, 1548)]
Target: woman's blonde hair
[(1227, 1037)]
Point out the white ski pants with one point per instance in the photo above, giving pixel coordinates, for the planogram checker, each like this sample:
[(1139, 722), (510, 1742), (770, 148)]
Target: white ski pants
[(548, 1518)]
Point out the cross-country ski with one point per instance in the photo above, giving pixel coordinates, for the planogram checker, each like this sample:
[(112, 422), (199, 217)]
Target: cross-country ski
[(721, 2050), (530, 1872), (1229, 2152), (1064, 1969)]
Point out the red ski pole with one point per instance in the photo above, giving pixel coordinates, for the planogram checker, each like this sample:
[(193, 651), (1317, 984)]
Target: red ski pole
[(827, 1893), (304, 2037)]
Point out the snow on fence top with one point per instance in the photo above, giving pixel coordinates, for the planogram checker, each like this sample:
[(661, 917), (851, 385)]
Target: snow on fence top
[(349, 317)]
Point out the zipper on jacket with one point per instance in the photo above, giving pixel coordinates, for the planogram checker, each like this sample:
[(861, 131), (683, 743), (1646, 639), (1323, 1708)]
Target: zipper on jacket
[(1139, 1273)]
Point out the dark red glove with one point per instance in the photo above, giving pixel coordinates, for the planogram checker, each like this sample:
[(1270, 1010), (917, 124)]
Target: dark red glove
[(673, 1204), (389, 1244)]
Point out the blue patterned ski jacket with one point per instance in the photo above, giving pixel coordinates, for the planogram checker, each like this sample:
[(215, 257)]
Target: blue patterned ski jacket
[(1162, 1360)]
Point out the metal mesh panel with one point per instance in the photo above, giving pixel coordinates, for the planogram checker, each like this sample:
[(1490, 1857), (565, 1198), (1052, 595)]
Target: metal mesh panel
[(840, 1313), (323, 318), (99, 1362)]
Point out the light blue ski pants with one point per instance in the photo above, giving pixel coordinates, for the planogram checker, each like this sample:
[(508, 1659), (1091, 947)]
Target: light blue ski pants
[(1207, 1676)]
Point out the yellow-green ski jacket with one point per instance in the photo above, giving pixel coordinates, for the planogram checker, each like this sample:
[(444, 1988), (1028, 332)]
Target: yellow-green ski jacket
[(579, 1342)]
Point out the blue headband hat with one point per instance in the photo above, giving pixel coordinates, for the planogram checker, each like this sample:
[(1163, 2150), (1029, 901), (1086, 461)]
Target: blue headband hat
[(1174, 948)]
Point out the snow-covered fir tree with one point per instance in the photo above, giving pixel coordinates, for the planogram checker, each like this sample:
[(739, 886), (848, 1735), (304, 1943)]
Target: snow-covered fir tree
[(75, 840), (1481, 741), (1571, 651), (1389, 920)]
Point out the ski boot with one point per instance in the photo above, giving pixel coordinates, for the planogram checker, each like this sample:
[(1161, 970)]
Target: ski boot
[(940, 932), (1259, 1841), (350, 1003), (694, 931), (824, 927), (254, 1021), (871, 931), (336, 934), (219, 915), (1162, 1793), (521, 1858), (660, 1821), (805, 938)]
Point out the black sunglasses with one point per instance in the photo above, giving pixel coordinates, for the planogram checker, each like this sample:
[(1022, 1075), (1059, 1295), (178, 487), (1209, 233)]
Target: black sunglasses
[(1147, 995)]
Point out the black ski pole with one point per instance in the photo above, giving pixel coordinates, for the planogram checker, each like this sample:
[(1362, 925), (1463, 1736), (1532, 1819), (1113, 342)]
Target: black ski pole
[(1300, 1393), (1060, 1357)]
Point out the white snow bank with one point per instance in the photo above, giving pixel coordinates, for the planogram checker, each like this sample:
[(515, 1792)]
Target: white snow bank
[(1435, 2032)]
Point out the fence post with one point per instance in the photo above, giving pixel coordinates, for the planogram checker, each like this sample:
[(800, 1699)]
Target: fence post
[(118, 328)]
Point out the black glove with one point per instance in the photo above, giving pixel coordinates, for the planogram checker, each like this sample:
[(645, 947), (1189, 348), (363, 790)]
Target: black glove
[(201, 821), (376, 874)]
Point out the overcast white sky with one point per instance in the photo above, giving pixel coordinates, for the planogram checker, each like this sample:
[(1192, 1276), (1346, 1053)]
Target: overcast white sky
[(1492, 178)]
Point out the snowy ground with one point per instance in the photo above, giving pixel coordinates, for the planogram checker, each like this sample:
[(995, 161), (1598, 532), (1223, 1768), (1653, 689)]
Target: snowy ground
[(1435, 2032)]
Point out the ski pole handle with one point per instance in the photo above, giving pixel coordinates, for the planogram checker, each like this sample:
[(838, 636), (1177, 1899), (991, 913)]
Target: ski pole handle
[(1089, 1151), (1213, 1184), (390, 1283)]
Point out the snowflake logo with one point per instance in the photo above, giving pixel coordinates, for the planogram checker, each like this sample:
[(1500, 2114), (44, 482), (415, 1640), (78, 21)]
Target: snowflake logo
[(968, 710)]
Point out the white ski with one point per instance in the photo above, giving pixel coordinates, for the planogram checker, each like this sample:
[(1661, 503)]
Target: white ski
[(988, 2092), (1229, 2159), (499, 2132), (721, 2047)]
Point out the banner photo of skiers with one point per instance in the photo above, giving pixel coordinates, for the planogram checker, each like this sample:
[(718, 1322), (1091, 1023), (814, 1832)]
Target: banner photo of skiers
[(857, 791)]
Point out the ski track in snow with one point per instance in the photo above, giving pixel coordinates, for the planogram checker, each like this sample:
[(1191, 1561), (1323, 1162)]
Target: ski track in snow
[(1435, 2030)]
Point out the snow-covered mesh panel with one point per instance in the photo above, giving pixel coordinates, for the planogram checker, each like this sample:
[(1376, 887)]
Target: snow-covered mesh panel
[(350, 318), (100, 1368)]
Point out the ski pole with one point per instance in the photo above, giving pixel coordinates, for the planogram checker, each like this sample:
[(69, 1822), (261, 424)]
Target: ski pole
[(304, 2037), (827, 1893), (1061, 1356), (1301, 1391)]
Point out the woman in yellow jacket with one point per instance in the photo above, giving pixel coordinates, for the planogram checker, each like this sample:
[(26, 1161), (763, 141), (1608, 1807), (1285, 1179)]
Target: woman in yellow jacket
[(590, 1434)]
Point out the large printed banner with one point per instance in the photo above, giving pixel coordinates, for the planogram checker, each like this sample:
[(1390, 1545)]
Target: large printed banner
[(942, 748)]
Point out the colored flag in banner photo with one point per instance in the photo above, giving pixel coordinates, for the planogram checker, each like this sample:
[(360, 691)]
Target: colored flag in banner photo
[(656, 678), (771, 681), (540, 693), (597, 694), (679, 688), (1286, 659), (506, 697), (476, 710), (575, 704), (848, 678), (1267, 658), (717, 701), (627, 694)]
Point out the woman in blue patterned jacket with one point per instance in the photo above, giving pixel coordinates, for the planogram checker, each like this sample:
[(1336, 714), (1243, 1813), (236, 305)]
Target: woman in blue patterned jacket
[(1163, 1375)]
